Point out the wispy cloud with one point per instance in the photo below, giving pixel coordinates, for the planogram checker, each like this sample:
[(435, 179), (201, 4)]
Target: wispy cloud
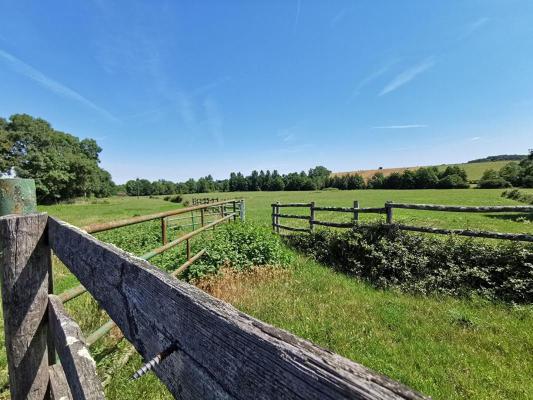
[(408, 126), (27, 70), (372, 77), (214, 120), (185, 109), (210, 86), (287, 134), (475, 138), (297, 16), (408, 75), (474, 26), (339, 16)]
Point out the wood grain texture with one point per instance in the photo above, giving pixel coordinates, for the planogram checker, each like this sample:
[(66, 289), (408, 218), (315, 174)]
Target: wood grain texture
[(290, 228), (521, 237), (292, 204), (222, 353), (293, 216), (483, 209), (25, 262), (336, 224), (76, 361), (59, 389), (368, 210)]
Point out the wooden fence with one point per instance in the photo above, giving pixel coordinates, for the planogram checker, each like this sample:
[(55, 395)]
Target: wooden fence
[(204, 200), (206, 348), (387, 210)]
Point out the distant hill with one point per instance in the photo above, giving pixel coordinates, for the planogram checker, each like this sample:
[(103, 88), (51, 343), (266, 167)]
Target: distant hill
[(474, 170), (501, 157)]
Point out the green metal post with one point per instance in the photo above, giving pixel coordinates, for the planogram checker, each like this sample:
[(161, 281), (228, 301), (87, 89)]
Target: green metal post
[(17, 196)]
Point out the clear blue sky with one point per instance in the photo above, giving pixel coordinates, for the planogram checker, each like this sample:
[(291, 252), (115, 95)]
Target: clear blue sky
[(182, 89)]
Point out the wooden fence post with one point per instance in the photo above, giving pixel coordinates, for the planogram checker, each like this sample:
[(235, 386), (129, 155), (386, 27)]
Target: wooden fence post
[(388, 209), (242, 209), (202, 217), (355, 212), (192, 220), (234, 211), (188, 249), (25, 261), (277, 218), (312, 216), (273, 217), (164, 230)]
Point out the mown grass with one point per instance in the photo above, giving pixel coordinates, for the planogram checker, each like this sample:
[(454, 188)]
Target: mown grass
[(444, 347), (259, 209)]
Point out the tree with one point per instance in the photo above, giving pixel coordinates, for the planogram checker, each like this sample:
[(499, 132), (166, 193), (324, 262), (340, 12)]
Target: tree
[(377, 181), (512, 172), (62, 165), (491, 179), (426, 178)]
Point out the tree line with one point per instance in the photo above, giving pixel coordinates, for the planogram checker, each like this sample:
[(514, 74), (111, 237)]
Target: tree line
[(65, 167), (62, 165), (317, 178), (517, 174)]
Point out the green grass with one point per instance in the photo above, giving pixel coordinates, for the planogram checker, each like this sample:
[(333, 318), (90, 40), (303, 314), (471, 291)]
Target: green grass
[(474, 171), (258, 207), (444, 347)]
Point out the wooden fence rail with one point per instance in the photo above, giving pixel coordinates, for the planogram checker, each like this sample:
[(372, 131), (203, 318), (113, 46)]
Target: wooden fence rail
[(388, 211), (212, 350)]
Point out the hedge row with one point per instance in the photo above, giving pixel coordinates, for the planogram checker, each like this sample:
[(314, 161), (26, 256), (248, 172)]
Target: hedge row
[(417, 263)]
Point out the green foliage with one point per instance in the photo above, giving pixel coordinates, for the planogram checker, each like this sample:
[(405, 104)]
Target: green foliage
[(515, 174), (518, 195), (62, 165), (240, 246), (453, 177), (502, 157), (174, 199), (389, 258), (491, 179), (346, 182)]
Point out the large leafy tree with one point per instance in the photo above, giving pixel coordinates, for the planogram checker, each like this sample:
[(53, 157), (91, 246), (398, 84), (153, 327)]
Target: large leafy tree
[(62, 165)]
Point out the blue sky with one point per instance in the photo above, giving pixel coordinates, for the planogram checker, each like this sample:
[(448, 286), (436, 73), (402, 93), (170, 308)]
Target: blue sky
[(181, 89)]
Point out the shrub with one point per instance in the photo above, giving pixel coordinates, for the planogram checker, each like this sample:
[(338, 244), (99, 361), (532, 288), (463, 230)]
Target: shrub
[(518, 195), (389, 258), (491, 179), (453, 181), (240, 246)]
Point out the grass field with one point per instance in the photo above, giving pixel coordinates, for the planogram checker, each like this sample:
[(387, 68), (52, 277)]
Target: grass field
[(473, 170), (444, 347)]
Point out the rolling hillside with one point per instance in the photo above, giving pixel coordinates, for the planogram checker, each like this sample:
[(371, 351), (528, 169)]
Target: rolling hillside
[(474, 170)]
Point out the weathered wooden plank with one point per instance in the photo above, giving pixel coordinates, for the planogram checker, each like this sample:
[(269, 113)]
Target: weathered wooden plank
[(521, 237), (368, 210), (389, 211), (291, 228), (221, 352), (483, 209), (292, 204), (59, 389), (293, 216), (25, 262), (336, 224), (77, 363)]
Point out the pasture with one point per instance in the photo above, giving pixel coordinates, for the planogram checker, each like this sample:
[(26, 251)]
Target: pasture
[(441, 346), (473, 170)]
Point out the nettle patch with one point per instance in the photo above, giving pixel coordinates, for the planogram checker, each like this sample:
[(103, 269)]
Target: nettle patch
[(417, 263)]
